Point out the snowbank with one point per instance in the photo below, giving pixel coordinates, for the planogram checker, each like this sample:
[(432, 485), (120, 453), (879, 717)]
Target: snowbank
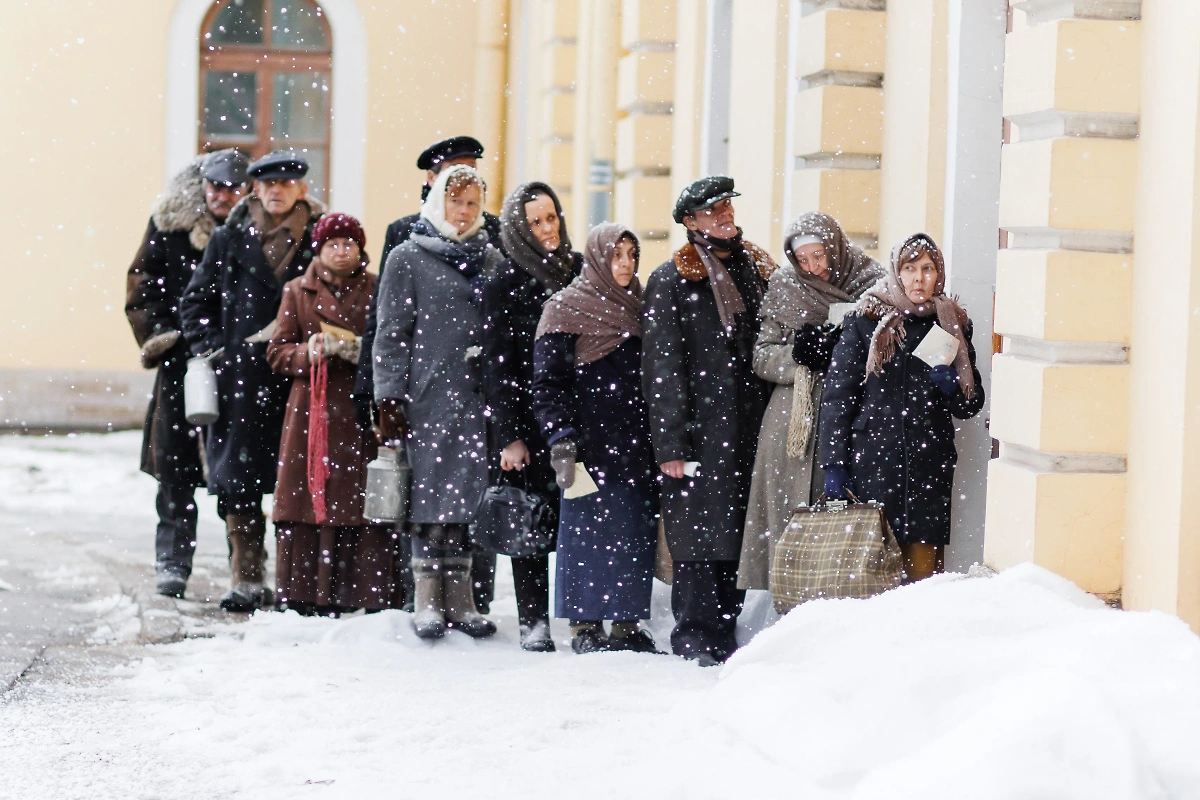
[(1017, 686)]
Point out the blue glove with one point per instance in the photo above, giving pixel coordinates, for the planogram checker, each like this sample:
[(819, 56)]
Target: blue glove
[(837, 481), (945, 378)]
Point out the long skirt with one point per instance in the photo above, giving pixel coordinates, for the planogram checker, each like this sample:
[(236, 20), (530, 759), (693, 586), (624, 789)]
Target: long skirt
[(606, 548), (324, 566)]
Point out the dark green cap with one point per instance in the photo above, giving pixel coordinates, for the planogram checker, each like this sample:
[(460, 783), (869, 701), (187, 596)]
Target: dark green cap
[(702, 194)]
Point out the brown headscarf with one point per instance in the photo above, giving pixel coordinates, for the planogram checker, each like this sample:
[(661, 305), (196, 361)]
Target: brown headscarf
[(552, 270), (595, 306), (796, 298), (887, 303)]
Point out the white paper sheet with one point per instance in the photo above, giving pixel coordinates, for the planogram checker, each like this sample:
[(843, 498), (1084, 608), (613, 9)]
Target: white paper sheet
[(583, 485), (938, 348), (690, 467), (838, 312)]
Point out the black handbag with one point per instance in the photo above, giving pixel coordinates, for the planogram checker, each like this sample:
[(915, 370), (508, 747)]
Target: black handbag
[(512, 521)]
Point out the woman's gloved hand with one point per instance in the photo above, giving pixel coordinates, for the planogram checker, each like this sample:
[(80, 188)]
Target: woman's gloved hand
[(813, 345), (945, 378), (393, 425), (343, 349), (562, 458), (837, 481)]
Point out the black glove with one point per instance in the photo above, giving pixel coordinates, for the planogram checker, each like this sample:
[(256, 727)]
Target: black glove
[(562, 458), (813, 345), (837, 481), (393, 424), (945, 378)]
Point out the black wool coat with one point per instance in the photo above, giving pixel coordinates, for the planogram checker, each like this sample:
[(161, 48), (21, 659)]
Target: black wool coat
[(234, 295), (512, 308), (597, 405), (706, 405), (895, 432), (157, 278), (397, 234)]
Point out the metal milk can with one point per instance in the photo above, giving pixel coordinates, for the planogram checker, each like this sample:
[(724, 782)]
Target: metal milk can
[(387, 486), (200, 401)]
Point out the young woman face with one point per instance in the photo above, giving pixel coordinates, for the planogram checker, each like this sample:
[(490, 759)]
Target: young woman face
[(463, 207), (543, 221), (342, 256), (919, 277), (624, 262), (812, 260)]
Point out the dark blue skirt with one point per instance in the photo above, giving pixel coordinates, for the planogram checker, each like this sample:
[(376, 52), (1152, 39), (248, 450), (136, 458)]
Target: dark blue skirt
[(605, 561)]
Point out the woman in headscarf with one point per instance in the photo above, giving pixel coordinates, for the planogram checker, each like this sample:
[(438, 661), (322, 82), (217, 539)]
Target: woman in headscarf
[(887, 432), (540, 262), (588, 398), (793, 350), (328, 559), (428, 385)]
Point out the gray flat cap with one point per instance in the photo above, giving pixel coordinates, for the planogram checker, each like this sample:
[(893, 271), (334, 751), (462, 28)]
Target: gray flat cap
[(280, 165), (225, 167), (702, 194)]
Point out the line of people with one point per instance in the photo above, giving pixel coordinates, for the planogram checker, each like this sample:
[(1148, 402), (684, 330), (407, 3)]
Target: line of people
[(712, 401)]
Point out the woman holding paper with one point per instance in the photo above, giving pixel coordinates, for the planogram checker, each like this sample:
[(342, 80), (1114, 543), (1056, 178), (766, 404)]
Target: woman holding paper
[(328, 558), (887, 432), (824, 274), (588, 399)]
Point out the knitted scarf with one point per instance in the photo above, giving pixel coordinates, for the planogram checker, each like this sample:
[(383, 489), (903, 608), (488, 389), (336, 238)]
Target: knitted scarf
[(730, 303), (594, 305), (887, 303)]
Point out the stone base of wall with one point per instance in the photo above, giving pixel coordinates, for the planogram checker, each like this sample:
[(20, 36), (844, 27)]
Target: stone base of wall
[(83, 400)]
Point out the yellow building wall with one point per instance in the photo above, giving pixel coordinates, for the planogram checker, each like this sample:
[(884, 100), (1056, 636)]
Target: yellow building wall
[(83, 98)]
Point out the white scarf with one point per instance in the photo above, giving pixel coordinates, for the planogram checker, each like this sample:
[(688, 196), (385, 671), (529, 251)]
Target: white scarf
[(434, 207)]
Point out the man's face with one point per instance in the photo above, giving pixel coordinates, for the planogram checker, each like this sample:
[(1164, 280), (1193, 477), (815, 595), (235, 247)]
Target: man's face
[(431, 174), (222, 197), (280, 195), (462, 207), (715, 220)]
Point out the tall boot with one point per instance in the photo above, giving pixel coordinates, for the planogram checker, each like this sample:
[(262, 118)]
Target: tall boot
[(246, 532), (460, 601), (430, 614)]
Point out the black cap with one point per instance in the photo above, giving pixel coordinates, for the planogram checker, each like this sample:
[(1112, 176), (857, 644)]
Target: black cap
[(455, 147), (702, 194), (280, 165), (225, 167)]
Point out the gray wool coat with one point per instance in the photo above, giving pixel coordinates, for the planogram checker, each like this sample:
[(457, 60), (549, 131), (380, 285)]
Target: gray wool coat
[(780, 482), (428, 343)]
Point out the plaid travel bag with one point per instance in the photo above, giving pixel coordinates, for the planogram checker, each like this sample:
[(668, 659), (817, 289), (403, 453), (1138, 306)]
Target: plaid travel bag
[(834, 548)]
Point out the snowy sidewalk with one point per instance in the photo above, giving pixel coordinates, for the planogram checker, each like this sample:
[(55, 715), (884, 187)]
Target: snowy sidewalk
[(1018, 686)]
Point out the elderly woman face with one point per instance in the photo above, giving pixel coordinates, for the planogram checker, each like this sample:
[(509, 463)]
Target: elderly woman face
[(919, 277), (463, 206), (342, 256), (543, 222), (812, 260)]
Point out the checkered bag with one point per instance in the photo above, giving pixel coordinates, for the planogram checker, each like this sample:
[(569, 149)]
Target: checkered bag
[(834, 548)]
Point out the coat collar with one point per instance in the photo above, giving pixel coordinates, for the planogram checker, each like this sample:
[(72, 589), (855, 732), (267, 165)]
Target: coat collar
[(239, 220), (690, 267), (347, 311)]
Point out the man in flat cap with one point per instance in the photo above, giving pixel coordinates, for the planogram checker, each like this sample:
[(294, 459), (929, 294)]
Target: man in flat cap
[(230, 307), (706, 406), (435, 158), (196, 201)]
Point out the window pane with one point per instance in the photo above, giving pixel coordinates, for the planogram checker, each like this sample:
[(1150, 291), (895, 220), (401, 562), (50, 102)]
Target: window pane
[(240, 22), (297, 24), (229, 105), (300, 107)]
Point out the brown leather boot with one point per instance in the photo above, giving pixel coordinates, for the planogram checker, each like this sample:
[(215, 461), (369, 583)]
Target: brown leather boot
[(246, 533)]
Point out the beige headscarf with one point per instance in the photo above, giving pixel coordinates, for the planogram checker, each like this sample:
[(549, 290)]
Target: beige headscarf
[(887, 303), (603, 313)]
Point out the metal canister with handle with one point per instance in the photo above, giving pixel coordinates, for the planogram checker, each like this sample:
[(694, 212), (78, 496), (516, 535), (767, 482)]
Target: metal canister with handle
[(201, 403), (387, 485)]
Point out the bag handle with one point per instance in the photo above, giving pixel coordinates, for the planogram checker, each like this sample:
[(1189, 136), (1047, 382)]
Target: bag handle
[(507, 477)]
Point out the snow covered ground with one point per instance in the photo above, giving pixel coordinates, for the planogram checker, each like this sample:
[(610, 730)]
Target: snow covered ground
[(1017, 686)]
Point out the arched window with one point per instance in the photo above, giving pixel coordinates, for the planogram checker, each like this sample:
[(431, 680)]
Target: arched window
[(265, 81)]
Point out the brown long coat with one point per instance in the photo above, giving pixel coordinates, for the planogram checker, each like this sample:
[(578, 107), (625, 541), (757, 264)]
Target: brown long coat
[(307, 302)]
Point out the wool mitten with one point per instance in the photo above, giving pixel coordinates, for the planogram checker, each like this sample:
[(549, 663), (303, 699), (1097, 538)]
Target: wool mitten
[(945, 378), (562, 458), (813, 346)]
